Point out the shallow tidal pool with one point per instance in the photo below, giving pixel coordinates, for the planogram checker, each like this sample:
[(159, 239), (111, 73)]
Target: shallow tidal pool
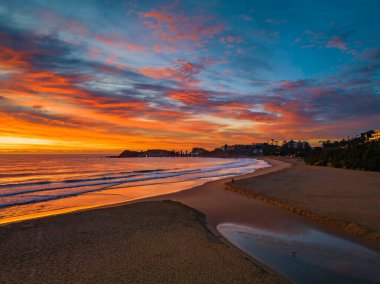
[(310, 256)]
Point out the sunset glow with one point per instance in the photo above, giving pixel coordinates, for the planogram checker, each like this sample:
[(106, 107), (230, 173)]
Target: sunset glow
[(113, 75)]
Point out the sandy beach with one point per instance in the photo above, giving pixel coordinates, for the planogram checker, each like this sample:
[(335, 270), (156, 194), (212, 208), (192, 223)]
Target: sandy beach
[(220, 205), (345, 199), (155, 240), (148, 242)]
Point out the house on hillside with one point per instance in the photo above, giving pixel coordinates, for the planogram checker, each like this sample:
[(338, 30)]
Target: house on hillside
[(367, 135), (243, 150), (375, 135)]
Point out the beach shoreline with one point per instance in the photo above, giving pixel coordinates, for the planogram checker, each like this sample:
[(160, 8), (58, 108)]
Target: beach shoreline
[(79, 208), (320, 210)]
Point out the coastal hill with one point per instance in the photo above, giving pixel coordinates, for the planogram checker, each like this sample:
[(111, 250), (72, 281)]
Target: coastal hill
[(361, 153)]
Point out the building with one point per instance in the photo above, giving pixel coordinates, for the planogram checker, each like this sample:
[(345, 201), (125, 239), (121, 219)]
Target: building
[(375, 135), (258, 148), (292, 144), (367, 135), (243, 150)]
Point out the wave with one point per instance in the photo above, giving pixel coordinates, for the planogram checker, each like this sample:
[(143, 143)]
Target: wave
[(84, 182), (89, 178), (27, 193), (37, 199), (48, 198), (78, 183), (25, 184)]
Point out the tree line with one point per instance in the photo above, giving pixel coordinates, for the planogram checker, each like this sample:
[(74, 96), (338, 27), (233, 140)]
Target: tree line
[(356, 153)]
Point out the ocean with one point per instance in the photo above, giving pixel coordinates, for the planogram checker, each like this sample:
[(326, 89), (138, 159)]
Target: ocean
[(40, 185)]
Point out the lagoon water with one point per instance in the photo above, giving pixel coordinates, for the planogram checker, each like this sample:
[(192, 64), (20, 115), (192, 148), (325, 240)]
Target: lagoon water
[(41, 185), (309, 255)]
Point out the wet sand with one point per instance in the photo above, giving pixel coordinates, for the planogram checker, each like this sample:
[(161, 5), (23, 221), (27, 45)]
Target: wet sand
[(148, 242), (345, 199), (220, 205)]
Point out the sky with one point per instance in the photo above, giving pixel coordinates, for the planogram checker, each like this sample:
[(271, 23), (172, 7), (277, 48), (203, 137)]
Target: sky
[(114, 75)]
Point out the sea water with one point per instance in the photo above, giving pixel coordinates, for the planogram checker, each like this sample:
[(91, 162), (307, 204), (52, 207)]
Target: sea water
[(40, 185)]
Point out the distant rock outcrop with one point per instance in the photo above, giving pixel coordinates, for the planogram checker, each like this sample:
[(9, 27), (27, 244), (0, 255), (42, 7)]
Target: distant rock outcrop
[(149, 153), (129, 154)]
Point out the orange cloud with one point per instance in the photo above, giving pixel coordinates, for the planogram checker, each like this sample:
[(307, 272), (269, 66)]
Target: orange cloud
[(160, 17), (13, 60), (157, 72), (181, 27), (191, 97), (164, 49), (121, 43)]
